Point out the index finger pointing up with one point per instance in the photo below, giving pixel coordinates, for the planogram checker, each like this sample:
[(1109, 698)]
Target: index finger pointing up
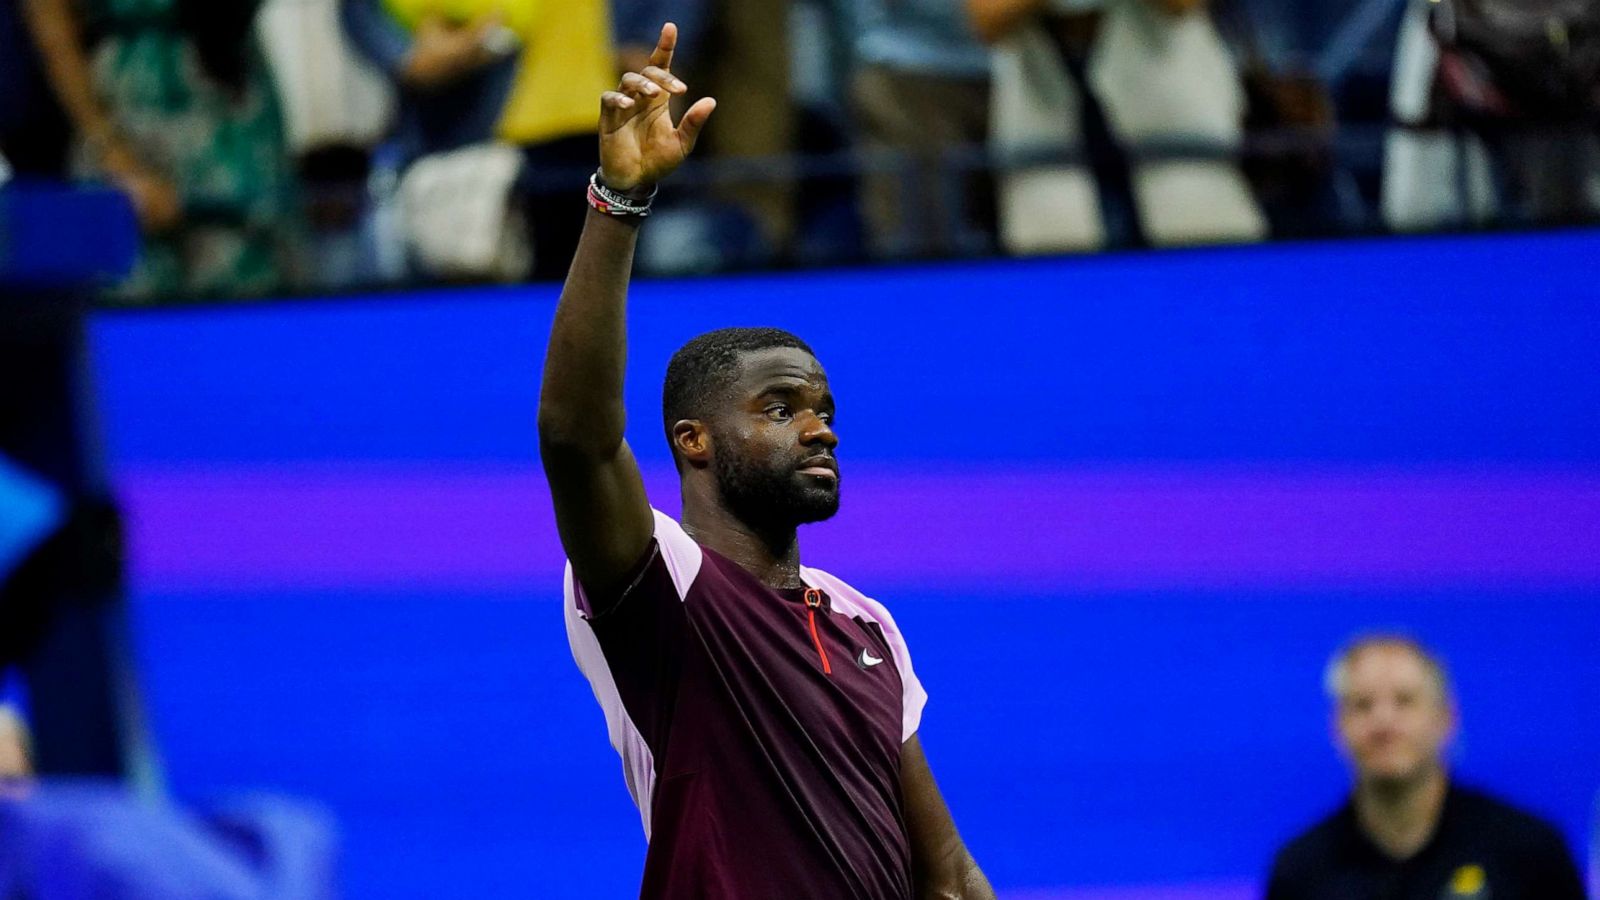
[(662, 55)]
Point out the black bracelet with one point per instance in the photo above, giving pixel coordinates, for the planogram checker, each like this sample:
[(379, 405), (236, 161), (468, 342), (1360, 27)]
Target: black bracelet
[(619, 203)]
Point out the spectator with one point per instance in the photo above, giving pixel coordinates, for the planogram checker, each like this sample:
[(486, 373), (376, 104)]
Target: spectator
[(1107, 80), (526, 74), (1495, 104), (170, 101), (756, 116), (1407, 830), (921, 92)]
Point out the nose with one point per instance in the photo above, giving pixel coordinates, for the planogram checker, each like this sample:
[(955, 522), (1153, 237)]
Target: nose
[(1385, 717), (814, 430)]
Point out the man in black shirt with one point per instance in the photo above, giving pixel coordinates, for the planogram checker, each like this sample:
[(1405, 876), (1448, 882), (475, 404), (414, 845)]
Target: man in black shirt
[(1407, 832)]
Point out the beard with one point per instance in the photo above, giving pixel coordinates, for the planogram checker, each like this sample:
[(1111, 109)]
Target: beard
[(772, 494)]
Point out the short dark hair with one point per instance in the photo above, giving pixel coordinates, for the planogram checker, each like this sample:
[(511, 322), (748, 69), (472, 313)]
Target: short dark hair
[(703, 369)]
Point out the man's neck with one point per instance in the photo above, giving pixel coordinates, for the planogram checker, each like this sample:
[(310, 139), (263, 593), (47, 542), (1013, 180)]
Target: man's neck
[(772, 556), (1400, 818)]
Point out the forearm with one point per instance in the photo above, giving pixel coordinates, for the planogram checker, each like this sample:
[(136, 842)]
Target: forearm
[(994, 19), (580, 403), (59, 37), (975, 885), (958, 877), (942, 867)]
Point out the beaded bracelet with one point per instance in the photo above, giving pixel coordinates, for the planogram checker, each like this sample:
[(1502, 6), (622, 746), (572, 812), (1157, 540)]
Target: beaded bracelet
[(616, 203)]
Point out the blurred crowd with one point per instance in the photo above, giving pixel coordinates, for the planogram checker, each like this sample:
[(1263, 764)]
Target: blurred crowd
[(286, 145)]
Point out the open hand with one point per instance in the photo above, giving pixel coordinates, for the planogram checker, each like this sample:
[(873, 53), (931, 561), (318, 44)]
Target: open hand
[(639, 145), (155, 198)]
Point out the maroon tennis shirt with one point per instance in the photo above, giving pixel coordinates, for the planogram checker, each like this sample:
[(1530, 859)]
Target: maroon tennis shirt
[(760, 729)]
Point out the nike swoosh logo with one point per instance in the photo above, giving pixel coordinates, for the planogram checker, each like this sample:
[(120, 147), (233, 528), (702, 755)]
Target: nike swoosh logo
[(867, 660)]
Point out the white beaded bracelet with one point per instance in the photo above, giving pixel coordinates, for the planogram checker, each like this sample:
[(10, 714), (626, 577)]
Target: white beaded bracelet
[(616, 203)]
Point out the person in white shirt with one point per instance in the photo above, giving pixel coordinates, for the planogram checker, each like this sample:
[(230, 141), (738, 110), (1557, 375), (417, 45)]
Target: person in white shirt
[(1160, 72)]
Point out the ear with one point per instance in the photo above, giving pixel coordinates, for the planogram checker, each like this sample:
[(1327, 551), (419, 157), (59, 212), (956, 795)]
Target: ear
[(1452, 720), (691, 439), (1335, 732)]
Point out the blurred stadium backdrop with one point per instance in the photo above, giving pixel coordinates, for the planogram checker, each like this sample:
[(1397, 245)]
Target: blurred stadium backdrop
[(1122, 506)]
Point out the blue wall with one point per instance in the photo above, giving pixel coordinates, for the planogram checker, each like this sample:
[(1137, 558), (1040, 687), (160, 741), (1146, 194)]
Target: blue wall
[(1088, 731)]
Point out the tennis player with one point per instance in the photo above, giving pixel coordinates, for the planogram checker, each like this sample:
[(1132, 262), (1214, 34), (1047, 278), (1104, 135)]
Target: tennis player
[(766, 712)]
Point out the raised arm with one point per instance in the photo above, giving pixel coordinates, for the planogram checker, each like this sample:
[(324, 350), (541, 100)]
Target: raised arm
[(943, 867), (601, 510)]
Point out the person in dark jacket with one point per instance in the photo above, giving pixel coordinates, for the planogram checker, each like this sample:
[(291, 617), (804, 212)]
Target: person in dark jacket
[(1408, 830)]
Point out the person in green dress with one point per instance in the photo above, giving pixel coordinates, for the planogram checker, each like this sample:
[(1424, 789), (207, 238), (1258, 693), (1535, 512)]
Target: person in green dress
[(172, 102)]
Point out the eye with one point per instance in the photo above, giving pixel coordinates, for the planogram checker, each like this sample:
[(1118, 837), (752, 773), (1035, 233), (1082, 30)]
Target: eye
[(779, 412), (826, 417)]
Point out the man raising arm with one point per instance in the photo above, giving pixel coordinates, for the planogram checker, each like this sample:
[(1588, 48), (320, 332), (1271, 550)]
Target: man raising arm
[(766, 712)]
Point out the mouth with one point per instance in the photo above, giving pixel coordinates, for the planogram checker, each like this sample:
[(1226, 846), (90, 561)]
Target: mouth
[(820, 467)]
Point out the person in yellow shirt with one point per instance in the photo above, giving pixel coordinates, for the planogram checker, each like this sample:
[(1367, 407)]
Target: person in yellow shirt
[(524, 72)]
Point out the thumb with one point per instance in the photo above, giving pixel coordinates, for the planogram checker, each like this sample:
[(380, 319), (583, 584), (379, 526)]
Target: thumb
[(693, 121)]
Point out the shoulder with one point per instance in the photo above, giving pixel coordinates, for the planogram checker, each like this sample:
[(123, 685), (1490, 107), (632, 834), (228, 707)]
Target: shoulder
[(1512, 824), (682, 555), (671, 564)]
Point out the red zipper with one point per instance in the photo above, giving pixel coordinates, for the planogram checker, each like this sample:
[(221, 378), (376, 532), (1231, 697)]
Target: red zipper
[(813, 601)]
